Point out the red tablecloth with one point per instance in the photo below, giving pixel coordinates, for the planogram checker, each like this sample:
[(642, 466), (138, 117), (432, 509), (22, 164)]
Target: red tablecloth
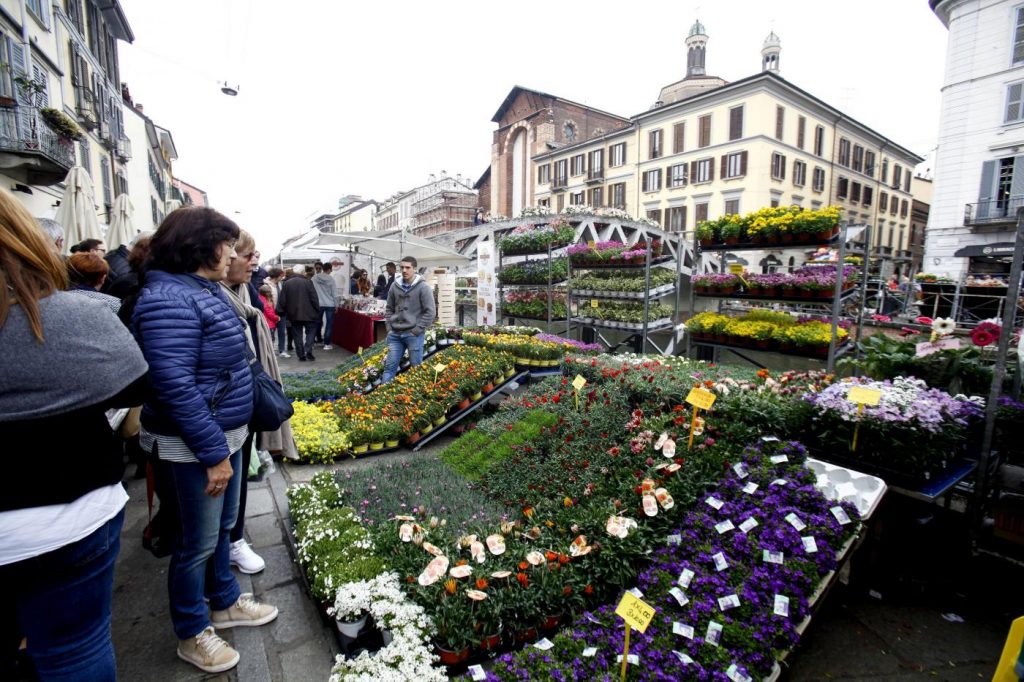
[(353, 330)]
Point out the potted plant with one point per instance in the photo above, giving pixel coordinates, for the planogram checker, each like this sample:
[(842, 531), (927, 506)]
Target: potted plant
[(454, 620), (351, 607), (61, 124)]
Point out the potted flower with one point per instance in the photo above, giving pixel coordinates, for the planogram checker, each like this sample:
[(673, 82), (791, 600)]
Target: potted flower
[(351, 607), (731, 232), (454, 620)]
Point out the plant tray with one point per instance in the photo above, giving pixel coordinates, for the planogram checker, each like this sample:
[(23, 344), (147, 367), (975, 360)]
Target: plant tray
[(591, 265)]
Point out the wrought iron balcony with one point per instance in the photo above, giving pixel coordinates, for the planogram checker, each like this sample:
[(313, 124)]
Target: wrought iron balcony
[(559, 182), (595, 175), (999, 212), (123, 149), (28, 143)]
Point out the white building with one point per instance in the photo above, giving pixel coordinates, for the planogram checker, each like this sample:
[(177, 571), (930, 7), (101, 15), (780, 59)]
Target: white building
[(395, 211), (979, 167), (150, 176)]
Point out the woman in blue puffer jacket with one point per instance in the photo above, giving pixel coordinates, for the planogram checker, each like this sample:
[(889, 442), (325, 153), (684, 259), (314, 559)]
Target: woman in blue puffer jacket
[(195, 422)]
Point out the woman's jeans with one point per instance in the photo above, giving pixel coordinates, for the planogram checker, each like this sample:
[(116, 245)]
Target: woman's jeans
[(398, 342), (61, 601), (200, 564)]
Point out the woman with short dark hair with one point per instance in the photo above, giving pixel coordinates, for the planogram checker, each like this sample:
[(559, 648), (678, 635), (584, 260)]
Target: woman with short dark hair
[(86, 273), (196, 423)]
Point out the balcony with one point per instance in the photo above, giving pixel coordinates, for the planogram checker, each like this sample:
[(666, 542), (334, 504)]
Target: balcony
[(998, 214), (123, 149), (595, 175), (29, 145), (559, 182)]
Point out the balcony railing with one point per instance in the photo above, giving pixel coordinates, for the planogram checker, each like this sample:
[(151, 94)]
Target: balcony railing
[(560, 182), (123, 149), (595, 175), (24, 133), (997, 212)]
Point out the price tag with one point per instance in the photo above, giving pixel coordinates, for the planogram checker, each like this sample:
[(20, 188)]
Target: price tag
[(676, 539), (724, 526), (841, 516), (680, 598), (778, 459), (440, 368), (741, 470), (633, 659), (682, 630), (927, 348), (685, 577), (720, 563), (714, 633), (810, 546), (589, 652), (636, 613), (770, 439), (701, 398), (781, 606), (593, 303), (543, 644), (794, 520), (579, 382), (729, 601), (734, 674), (735, 268), (749, 525), (864, 396), (750, 488), (683, 658), (714, 503), (477, 671), (772, 557)]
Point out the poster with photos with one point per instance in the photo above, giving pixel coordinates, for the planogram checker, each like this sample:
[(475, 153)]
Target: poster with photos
[(486, 301)]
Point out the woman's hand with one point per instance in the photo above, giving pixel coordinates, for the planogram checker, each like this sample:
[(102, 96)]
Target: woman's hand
[(218, 477)]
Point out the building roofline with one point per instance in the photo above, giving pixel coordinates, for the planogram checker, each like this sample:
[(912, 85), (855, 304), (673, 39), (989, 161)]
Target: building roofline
[(116, 18), (486, 174), (516, 89)]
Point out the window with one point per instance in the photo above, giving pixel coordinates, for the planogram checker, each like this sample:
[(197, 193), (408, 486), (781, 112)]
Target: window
[(597, 197), (569, 130), (596, 163), (655, 215), (904, 208), (780, 120), (801, 131), (617, 155), (906, 181), (774, 202), (894, 205), (736, 123), (700, 212), (38, 9), (561, 174), (858, 158), (885, 170), (897, 176), (654, 148), (678, 132), (883, 201), (819, 140), (778, 166), (677, 176), (842, 188), (1018, 38), (121, 183), (869, 164), (844, 152), (576, 198), (577, 167), (866, 196), (105, 177), (799, 173), (732, 206), (544, 173), (818, 179), (652, 180), (855, 191), (734, 165), (73, 8), (618, 195), (156, 214), (704, 133), (675, 219), (702, 171), (560, 202), (542, 203)]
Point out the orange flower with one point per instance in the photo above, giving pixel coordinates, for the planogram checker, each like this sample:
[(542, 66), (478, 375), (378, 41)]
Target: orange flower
[(567, 502), (523, 579), (588, 590), (567, 590), (461, 562), (763, 373), (550, 556), (708, 383), (523, 566), (563, 558), (450, 586), (528, 512), (481, 584)]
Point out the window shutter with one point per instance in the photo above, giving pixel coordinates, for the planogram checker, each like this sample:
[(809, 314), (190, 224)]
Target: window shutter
[(40, 77), (987, 191), (1013, 102), (725, 166), (711, 170), (682, 220), (743, 163), (677, 137), (693, 171), (18, 66), (1017, 181)]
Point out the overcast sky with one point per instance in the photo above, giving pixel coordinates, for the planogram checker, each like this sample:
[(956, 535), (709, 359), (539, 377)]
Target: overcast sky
[(369, 98)]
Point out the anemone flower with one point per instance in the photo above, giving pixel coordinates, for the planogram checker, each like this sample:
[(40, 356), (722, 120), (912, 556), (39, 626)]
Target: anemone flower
[(943, 326)]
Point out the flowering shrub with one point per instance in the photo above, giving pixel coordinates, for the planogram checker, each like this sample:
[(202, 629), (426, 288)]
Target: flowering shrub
[(621, 281), (613, 252), (771, 223), (534, 304), (537, 238), (535, 272), (317, 436)]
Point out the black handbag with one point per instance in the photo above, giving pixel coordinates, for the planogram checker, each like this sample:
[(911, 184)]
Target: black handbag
[(270, 406)]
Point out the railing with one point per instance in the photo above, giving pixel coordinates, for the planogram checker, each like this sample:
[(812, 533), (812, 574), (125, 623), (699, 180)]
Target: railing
[(560, 182), (23, 131), (992, 212), (595, 175), (124, 149)]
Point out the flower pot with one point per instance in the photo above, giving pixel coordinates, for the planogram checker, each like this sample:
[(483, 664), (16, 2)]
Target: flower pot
[(464, 404), (768, 291), (732, 241), (386, 637), (763, 343), (489, 642), (772, 238), (391, 443), (449, 657), (440, 420), (706, 242), (803, 237), (789, 291), (414, 438), (786, 237), (360, 448), (488, 388), (477, 396), (526, 635), (351, 629), (522, 361), (551, 622), (806, 293), (426, 429), (786, 347), (510, 373), (376, 446)]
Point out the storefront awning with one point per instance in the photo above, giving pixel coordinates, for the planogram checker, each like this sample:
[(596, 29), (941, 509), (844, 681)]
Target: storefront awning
[(994, 249)]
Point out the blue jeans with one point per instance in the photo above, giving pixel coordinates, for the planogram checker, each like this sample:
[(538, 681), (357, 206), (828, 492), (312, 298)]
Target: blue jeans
[(282, 333), (200, 564), (61, 601), (398, 342), (328, 312)]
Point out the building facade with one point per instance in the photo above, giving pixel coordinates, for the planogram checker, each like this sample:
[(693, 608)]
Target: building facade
[(721, 148), (150, 175), (395, 211), (354, 215), (979, 165), (442, 205), (191, 195)]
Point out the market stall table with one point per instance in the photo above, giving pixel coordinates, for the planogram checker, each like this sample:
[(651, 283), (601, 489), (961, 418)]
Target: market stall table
[(354, 330)]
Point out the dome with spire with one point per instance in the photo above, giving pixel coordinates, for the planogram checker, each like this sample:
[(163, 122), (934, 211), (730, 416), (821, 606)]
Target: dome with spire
[(697, 29), (772, 40)]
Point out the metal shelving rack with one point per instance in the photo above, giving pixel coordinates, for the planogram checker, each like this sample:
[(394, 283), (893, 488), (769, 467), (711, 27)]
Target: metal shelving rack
[(839, 297), (549, 287)]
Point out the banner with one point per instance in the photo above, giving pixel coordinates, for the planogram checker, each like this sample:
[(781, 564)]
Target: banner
[(486, 293)]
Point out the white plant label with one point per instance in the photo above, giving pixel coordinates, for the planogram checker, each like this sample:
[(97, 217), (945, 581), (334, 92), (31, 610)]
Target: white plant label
[(714, 503), (750, 488), (685, 577), (720, 563), (749, 525), (794, 520), (682, 630), (772, 557), (635, 591), (632, 658), (590, 652), (734, 674), (543, 644), (741, 470), (724, 526), (770, 439), (729, 601), (477, 671), (779, 481), (778, 459), (680, 598), (714, 633), (841, 516), (810, 546), (781, 606), (683, 658), (676, 539)]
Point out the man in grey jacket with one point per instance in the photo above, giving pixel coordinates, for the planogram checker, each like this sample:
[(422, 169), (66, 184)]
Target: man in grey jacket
[(324, 284), (410, 310)]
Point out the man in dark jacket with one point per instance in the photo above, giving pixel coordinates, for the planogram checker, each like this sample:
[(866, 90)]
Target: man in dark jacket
[(410, 310), (385, 282), (301, 305)]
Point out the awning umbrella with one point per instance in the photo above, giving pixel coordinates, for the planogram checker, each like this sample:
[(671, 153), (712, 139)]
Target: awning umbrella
[(77, 212), (122, 229), (393, 245)]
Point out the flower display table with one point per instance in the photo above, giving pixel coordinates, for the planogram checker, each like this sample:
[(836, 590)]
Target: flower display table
[(354, 330)]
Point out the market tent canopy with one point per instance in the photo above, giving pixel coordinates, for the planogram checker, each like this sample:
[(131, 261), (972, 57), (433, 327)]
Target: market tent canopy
[(393, 245)]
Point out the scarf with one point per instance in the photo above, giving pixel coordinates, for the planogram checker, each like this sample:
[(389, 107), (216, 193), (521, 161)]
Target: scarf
[(279, 441)]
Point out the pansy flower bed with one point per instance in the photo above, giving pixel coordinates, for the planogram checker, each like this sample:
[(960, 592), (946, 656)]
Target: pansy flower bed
[(730, 586)]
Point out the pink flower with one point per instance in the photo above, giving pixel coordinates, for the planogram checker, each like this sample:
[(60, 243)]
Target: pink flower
[(981, 337), (924, 320)]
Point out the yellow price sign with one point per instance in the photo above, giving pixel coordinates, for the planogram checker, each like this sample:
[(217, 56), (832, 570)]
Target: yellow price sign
[(701, 398), (593, 303), (440, 368), (591, 244), (360, 351), (736, 268), (1011, 650), (635, 612), (864, 396), (579, 382)]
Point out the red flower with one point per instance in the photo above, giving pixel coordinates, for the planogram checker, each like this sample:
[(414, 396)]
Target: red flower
[(567, 590), (588, 590), (523, 566), (523, 580), (924, 320), (980, 337)]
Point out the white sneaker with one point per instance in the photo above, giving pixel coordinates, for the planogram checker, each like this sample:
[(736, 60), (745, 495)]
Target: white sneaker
[(246, 560), (327, 346), (284, 355)]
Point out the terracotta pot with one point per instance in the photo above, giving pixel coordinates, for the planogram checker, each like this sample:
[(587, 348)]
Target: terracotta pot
[(757, 239), (449, 657), (803, 236), (786, 237), (768, 291), (806, 293), (772, 238), (488, 388), (551, 622), (789, 291), (726, 290), (706, 242), (464, 404), (526, 635), (763, 343), (786, 347), (414, 438), (732, 240), (489, 642)]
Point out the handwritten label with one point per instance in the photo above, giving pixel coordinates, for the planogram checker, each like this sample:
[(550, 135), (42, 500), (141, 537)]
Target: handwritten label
[(864, 396), (714, 503), (714, 633), (579, 382), (741, 470), (682, 630), (735, 268), (794, 520), (724, 526), (927, 348), (591, 244), (729, 601), (749, 525), (440, 368), (770, 557), (810, 546), (590, 652), (477, 671), (702, 398), (841, 516), (685, 577), (781, 606), (750, 488), (720, 563), (636, 613), (593, 303)]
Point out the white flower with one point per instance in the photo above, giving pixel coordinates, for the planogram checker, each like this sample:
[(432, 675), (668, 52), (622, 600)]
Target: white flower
[(943, 326)]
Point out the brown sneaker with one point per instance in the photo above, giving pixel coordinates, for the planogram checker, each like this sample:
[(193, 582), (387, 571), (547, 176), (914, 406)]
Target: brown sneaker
[(247, 611), (208, 652)]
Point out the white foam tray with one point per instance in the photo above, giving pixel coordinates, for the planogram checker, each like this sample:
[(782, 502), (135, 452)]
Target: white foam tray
[(846, 485)]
